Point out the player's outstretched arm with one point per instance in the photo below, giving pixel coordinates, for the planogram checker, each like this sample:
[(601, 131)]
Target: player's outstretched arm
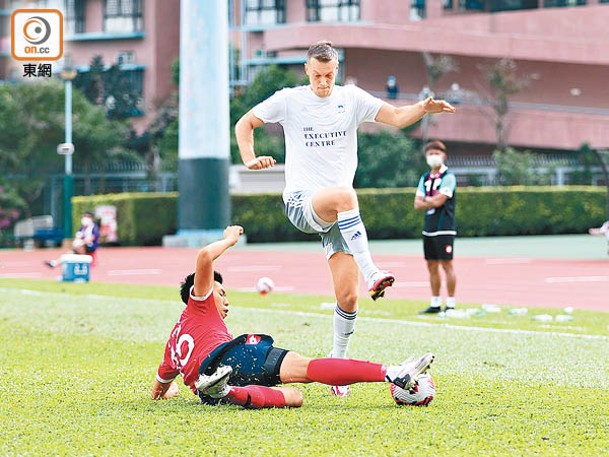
[(162, 391), (404, 116), (244, 132), (204, 269)]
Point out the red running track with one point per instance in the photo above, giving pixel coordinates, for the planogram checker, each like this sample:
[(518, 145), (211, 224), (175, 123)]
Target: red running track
[(583, 284)]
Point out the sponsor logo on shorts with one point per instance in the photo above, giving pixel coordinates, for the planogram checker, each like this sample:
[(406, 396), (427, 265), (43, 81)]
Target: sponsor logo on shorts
[(448, 248), (252, 339)]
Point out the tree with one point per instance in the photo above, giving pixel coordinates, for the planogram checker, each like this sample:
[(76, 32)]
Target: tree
[(518, 168), (386, 159), (268, 141), (32, 119), (93, 81), (11, 208), (112, 88), (436, 67), (164, 130), (504, 81)]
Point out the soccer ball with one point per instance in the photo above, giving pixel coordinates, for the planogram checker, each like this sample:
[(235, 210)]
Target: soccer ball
[(420, 395), (265, 285)]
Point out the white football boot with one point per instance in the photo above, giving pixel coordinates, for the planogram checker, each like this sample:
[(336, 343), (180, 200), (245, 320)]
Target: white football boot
[(216, 384), (411, 370)]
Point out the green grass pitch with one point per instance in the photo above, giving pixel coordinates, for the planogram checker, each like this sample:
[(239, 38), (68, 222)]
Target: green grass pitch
[(77, 362)]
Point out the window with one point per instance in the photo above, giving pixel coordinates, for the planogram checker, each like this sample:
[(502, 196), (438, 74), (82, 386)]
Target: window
[(333, 10), (417, 10), (264, 12), (122, 16), (74, 17), (471, 5), (552, 3), (124, 91), (510, 5), (119, 88)]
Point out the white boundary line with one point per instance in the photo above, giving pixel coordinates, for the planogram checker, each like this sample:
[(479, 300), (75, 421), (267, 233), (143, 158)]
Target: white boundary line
[(365, 319), (444, 325)]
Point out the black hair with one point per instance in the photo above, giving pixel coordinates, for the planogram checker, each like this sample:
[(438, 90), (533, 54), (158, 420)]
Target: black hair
[(189, 281), (435, 144)]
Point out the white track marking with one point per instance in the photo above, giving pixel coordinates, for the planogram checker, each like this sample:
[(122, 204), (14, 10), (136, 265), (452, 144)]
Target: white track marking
[(410, 284), (567, 279), (276, 289), (508, 261), (254, 268), (143, 271), (21, 275)]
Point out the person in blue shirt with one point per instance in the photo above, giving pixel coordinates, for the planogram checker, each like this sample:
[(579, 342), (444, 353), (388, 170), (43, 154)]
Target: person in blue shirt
[(86, 239), (436, 196)]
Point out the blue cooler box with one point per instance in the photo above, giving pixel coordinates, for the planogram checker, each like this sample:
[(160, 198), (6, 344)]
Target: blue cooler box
[(75, 267)]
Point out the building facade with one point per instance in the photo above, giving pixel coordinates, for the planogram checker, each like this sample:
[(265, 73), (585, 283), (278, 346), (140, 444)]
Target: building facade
[(559, 48)]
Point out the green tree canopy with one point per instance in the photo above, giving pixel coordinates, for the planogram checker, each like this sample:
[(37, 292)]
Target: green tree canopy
[(32, 119), (387, 159)]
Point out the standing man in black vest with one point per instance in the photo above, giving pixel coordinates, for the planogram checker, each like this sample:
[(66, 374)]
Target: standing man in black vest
[(436, 196)]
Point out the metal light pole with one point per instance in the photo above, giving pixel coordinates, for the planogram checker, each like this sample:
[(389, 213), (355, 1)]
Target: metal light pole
[(67, 74)]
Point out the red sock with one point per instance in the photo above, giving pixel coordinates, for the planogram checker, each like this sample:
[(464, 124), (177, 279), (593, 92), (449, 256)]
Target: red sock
[(341, 372), (256, 397)]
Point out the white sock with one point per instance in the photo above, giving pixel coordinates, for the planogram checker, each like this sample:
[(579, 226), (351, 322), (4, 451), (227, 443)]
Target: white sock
[(450, 302), (435, 302), (344, 326), (354, 233)]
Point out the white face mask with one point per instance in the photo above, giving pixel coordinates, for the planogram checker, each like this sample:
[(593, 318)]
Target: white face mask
[(434, 161)]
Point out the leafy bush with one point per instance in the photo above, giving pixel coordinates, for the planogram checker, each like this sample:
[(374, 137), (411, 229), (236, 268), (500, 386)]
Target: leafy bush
[(387, 159), (516, 168), (387, 213), (142, 218)]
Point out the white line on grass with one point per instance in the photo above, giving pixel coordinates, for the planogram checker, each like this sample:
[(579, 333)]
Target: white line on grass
[(444, 325), (366, 319)]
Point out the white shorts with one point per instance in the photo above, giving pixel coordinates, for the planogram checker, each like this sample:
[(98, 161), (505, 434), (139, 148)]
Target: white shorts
[(300, 212)]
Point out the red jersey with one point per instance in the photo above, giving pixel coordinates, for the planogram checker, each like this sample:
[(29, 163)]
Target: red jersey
[(199, 331)]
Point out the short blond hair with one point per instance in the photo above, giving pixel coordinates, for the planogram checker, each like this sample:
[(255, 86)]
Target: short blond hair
[(322, 51)]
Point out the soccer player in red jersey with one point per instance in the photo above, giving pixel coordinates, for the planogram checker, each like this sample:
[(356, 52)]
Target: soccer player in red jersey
[(249, 370)]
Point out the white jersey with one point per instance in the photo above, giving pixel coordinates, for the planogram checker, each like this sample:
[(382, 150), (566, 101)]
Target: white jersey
[(320, 133)]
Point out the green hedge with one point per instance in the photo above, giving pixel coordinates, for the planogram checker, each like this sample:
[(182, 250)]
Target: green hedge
[(388, 213), (142, 218)]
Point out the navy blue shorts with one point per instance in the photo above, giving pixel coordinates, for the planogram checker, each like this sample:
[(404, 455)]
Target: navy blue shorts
[(253, 358)]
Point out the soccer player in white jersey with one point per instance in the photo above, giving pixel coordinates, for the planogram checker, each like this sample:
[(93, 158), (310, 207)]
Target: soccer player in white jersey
[(320, 124)]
